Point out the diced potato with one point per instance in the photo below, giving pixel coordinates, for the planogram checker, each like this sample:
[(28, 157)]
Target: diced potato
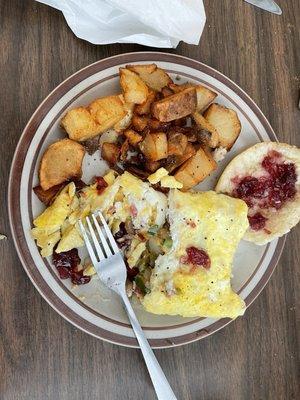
[(226, 122), (148, 148), (134, 88), (205, 97), (207, 134), (145, 107), (107, 111), (139, 123), (133, 137), (166, 91), (177, 106), (110, 152), (156, 125), (170, 182), (124, 150), (152, 166), (195, 169), (155, 146), (179, 88), (161, 143), (177, 143), (125, 121), (79, 124), (47, 196), (156, 78), (173, 162), (61, 161), (156, 177)]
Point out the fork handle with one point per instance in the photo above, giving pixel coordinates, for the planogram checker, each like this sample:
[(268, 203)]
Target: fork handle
[(161, 385)]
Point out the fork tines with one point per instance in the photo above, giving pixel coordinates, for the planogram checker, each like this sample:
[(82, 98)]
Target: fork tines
[(102, 239)]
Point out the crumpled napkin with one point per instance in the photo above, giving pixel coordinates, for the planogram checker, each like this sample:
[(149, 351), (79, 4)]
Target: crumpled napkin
[(156, 23)]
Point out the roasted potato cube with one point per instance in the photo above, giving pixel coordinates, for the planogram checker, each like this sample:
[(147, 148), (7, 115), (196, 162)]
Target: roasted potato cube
[(124, 150), (195, 169), (107, 111), (126, 120), (173, 162), (205, 97), (207, 134), (47, 196), (156, 78), (61, 161), (179, 88), (226, 122), (156, 125), (110, 152), (155, 146), (152, 166), (79, 124), (166, 91), (134, 88), (133, 137), (177, 143), (144, 108), (177, 106), (139, 122)]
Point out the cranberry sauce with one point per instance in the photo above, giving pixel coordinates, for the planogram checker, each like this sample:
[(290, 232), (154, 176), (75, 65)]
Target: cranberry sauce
[(272, 190), (196, 256), (67, 264), (101, 184)]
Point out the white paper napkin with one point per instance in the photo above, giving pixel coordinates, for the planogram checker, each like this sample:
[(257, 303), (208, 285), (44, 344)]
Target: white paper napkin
[(156, 23)]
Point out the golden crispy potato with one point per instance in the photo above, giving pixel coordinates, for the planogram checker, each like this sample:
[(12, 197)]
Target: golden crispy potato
[(139, 122), (79, 124), (155, 146), (177, 143), (152, 166), (156, 78), (83, 123), (226, 122), (110, 152), (107, 111), (61, 161), (133, 137), (173, 162), (47, 196), (126, 120), (195, 169), (145, 107), (177, 106), (207, 134), (205, 96), (134, 88)]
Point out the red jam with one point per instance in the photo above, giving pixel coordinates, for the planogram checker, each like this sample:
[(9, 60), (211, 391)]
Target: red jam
[(196, 257), (101, 184), (257, 221), (271, 190), (67, 263)]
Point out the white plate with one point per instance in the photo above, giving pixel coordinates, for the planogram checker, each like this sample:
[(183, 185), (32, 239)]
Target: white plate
[(92, 307)]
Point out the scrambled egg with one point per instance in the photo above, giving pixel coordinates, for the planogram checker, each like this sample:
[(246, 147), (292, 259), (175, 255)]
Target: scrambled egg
[(125, 198), (214, 223)]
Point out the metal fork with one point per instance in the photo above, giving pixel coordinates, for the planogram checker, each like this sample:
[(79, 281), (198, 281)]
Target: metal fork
[(109, 264)]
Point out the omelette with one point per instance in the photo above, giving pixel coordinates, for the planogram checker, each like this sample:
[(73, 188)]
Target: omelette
[(193, 277), (125, 199), (178, 248)]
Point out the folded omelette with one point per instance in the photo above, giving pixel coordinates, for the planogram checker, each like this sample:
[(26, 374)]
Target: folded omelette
[(193, 278)]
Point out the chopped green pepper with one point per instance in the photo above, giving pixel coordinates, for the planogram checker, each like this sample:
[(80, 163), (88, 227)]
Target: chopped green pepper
[(141, 285), (153, 230), (168, 243)]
